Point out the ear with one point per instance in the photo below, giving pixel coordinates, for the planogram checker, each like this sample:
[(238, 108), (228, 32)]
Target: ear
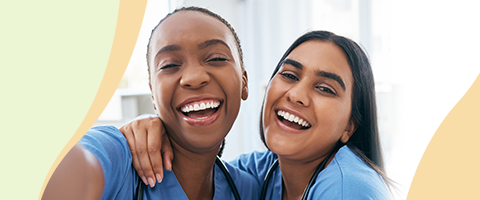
[(244, 85), (349, 130)]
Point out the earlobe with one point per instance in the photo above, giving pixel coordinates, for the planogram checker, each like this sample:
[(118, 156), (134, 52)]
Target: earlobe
[(244, 86), (349, 130)]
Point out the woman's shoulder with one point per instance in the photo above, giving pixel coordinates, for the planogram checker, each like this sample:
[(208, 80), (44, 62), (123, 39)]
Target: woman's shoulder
[(247, 185), (347, 176), (266, 156), (255, 163), (110, 148)]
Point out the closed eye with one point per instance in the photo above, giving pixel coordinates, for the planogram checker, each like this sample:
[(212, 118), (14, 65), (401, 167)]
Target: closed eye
[(168, 66), (217, 59)]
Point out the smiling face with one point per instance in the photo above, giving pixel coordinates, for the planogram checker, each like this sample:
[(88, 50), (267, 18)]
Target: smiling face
[(308, 103), (196, 80)]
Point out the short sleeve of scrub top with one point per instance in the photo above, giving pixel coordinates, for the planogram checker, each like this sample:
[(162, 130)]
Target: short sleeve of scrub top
[(111, 150), (258, 164)]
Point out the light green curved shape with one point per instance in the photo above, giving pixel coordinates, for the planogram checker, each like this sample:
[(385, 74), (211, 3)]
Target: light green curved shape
[(53, 55)]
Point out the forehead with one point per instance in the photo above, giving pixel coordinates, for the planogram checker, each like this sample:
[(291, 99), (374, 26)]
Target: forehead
[(326, 56), (190, 28)]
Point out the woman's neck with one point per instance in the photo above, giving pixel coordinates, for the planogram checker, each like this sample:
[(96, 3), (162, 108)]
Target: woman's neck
[(296, 176), (194, 172)]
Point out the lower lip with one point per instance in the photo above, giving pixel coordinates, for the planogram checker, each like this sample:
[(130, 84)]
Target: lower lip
[(205, 121), (288, 128)]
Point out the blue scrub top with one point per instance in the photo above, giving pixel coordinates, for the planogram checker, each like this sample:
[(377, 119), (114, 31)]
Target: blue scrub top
[(111, 149), (346, 177)]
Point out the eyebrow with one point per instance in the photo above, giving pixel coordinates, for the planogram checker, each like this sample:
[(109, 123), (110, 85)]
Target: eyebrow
[(172, 47), (331, 76), (208, 43), (202, 45), (321, 73), (293, 63)]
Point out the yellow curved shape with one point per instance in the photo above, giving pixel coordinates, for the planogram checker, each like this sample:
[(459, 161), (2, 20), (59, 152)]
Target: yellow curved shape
[(450, 166), (129, 21)]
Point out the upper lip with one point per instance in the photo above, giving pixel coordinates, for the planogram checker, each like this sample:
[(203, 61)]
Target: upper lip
[(294, 112), (196, 98)]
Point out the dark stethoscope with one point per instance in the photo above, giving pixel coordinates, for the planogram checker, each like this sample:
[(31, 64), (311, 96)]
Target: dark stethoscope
[(320, 167), (222, 167)]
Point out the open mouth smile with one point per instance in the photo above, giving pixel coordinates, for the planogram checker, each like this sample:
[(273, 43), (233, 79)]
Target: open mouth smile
[(292, 120), (202, 112)]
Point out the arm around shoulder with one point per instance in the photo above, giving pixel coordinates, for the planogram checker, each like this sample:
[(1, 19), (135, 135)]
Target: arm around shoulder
[(78, 176)]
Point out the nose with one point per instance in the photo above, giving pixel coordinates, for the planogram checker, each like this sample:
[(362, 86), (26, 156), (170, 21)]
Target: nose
[(298, 95), (194, 77)]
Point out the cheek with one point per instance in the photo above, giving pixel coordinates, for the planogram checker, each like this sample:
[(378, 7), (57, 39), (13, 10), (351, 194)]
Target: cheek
[(334, 114), (162, 92), (274, 91)]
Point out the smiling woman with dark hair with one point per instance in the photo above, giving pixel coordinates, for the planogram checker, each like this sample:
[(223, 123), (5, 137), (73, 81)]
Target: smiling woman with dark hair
[(319, 120), (319, 123), (197, 80)]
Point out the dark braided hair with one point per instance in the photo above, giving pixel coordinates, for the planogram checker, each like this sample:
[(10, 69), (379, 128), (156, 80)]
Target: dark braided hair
[(210, 13)]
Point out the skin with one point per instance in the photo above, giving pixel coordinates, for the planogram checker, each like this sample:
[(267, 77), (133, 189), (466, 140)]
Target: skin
[(320, 100), (78, 176), (193, 62)]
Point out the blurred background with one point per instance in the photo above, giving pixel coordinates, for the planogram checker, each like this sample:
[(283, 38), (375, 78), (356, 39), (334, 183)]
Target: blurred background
[(423, 53)]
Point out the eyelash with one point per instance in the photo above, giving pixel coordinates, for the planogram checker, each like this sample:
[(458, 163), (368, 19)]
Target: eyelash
[(321, 88), (217, 59), (168, 66), (289, 76), (326, 89)]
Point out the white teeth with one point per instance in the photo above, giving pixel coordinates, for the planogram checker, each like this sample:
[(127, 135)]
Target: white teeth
[(201, 106), (286, 116), (196, 107), (292, 118)]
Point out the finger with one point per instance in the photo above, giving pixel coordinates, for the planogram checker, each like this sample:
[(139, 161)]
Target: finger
[(142, 152), (154, 142), (167, 152), (127, 132)]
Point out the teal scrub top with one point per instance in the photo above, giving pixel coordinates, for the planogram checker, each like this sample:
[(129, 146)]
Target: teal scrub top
[(346, 177), (110, 148)]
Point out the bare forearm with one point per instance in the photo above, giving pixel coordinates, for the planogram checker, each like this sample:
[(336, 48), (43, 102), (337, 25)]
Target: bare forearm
[(78, 176)]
